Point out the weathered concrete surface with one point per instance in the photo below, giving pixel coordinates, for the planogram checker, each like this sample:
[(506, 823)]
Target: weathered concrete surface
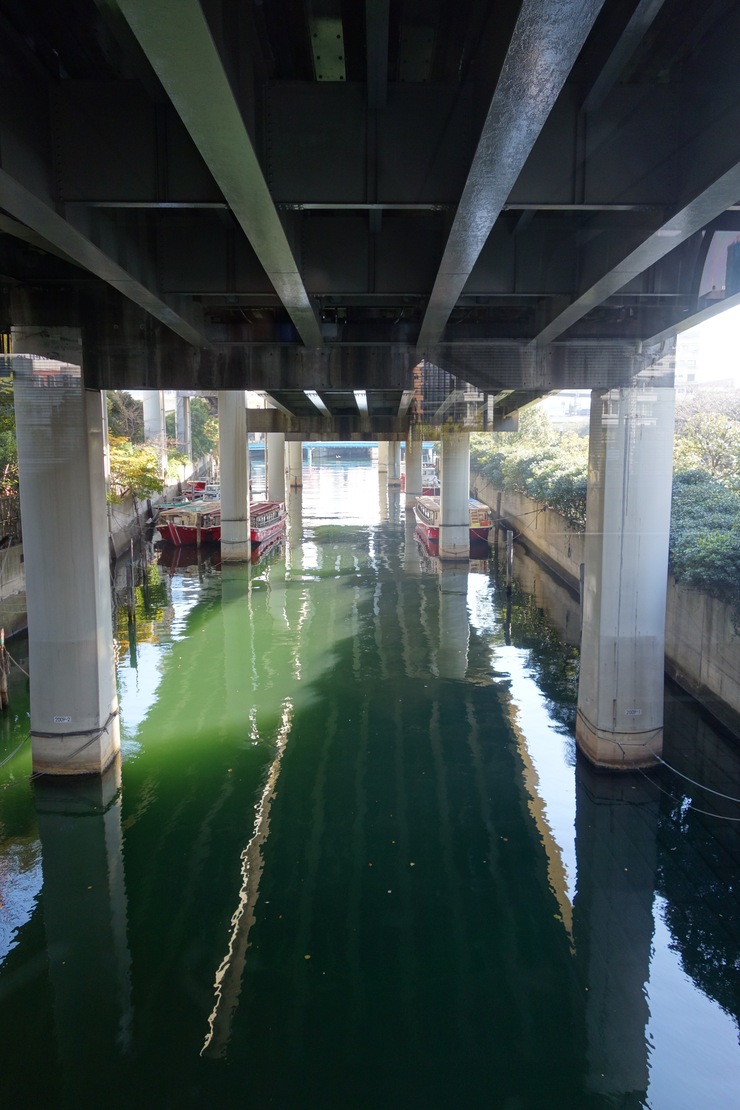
[(12, 590), (703, 651), (702, 638), (557, 545)]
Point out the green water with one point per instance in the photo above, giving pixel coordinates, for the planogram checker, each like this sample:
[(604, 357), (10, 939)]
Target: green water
[(350, 858)]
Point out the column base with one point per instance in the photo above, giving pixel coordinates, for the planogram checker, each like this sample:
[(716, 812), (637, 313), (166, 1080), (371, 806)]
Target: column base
[(618, 751), (235, 545), (454, 542), (77, 753)]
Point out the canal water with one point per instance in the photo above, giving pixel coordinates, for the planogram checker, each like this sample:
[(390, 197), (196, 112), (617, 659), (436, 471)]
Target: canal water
[(351, 859)]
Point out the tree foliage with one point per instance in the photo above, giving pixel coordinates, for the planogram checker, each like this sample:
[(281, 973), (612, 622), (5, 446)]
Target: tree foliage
[(203, 428), (551, 468), (125, 416), (8, 448), (705, 534), (134, 470), (537, 460), (710, 441)]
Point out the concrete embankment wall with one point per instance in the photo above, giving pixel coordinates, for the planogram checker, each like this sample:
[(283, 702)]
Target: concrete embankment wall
[(12, 590), (702, 636)]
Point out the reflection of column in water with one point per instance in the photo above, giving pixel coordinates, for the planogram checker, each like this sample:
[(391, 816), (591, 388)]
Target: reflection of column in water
[(383, 494), (294, 527), (394, 505), (410, 550), (84, 907), (616, 826), (454, 625)]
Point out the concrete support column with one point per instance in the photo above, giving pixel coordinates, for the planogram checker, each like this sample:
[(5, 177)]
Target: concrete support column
[(155, 427), (454, 529), (295, 464), (59, 432), (275, 443), (413, 471), (394, 464), (383, 456), (620, 692), (232, 447), (182, 424)]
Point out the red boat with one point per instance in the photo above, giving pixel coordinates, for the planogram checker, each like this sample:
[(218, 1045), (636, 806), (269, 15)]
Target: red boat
[(194, 522), (266, 520), (428, 511)]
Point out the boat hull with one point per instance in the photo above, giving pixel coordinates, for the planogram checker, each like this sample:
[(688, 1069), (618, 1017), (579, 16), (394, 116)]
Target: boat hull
[(183, 535), (427, 513), (266, 521)]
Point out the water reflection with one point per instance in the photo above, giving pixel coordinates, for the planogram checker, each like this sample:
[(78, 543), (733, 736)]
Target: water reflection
[(363, 865), (86, 923), (616, 825)]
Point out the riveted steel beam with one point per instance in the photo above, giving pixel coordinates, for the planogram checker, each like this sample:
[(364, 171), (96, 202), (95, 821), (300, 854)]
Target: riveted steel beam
[(546, 42), (176, 39)]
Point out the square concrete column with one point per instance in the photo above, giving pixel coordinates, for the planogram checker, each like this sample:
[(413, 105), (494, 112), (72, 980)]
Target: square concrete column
[(232, 448), (275, 443), (383, 456), (59, 431), (155, 425), (182, 423), (413, 471), (454, 528), (295, 464), (394, 464), (620, 692)]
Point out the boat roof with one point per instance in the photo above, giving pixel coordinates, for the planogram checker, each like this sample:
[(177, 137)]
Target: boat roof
[(197, 508), (433, 501)]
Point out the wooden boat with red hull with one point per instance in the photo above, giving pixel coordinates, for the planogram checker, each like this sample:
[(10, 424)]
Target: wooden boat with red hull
[(266, 520), (193, 522), (428, 514)]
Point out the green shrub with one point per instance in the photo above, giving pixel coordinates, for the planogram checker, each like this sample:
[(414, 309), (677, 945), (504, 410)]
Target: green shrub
[(705, 515), (705, 535)]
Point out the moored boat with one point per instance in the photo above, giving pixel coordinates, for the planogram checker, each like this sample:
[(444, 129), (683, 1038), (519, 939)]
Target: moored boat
[(429, 481), (428, 514), (266, 520), (191, 522)]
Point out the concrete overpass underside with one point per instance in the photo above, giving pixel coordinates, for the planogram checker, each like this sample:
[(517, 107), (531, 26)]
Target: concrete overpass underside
[(377, 208)]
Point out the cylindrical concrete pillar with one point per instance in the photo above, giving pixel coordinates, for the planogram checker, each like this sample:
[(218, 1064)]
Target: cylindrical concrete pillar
[(59, 432), (620, 692), (232, 447), (413, 471), (454, 529), (383, 456), (394, 464), (295, 464), (275, 443)]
